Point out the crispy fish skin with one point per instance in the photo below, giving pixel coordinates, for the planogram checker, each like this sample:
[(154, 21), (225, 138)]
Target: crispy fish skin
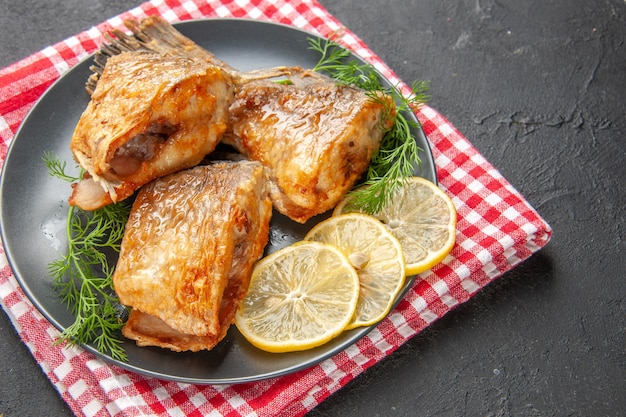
[(188, 251), (150, 115), (315, 137)]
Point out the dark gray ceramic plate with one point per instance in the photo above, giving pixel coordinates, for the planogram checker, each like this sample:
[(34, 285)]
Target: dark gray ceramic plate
[(34, 207)]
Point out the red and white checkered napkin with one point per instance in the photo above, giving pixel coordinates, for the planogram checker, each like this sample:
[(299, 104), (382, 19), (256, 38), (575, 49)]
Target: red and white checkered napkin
[(497, 229)]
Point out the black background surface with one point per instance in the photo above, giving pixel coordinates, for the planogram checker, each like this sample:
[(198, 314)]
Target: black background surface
[(538, 87)]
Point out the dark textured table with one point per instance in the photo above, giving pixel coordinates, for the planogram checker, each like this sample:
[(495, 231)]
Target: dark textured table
[(539, 88)]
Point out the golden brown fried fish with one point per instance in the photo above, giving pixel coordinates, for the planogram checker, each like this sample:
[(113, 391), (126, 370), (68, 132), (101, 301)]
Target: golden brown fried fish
[(315, 137), (149, 116), (188, 251)]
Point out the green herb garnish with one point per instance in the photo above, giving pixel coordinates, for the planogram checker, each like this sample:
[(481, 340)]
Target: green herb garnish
[(83, 276), (398, 155)]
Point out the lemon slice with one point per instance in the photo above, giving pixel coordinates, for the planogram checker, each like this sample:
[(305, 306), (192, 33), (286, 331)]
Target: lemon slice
[(375, 254), (423, 218), (299, 297)]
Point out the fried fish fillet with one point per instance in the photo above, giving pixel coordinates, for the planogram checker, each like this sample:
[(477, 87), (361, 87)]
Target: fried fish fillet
[(149, 116), (315, 137), (188, 251)]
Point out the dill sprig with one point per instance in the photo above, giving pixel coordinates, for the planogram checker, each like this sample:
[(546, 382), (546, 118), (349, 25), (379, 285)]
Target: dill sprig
[(398, 155), (83, 276)]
